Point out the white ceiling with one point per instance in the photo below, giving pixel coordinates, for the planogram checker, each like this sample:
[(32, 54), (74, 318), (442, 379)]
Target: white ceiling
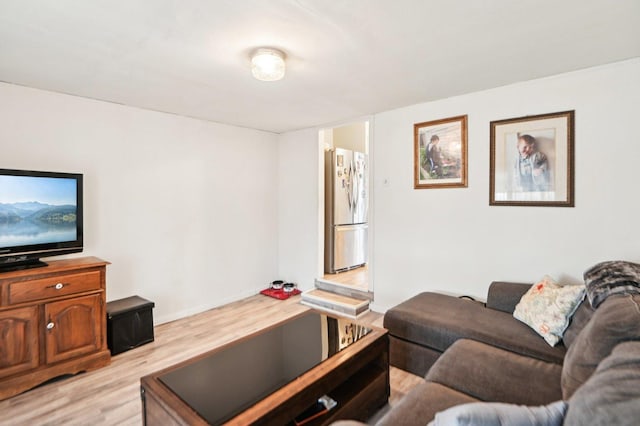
[(346, 58)]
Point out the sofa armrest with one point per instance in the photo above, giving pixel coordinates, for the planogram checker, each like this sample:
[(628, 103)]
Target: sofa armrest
[(496, 375), (504, 296)]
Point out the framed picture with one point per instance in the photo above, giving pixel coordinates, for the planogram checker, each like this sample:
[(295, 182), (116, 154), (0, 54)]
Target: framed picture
[(440, 153), (532, 161)]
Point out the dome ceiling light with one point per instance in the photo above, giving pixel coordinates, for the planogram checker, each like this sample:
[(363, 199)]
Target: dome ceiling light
[(267, 64)]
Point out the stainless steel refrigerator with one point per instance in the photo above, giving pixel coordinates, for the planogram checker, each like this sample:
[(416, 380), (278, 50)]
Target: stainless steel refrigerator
[(346, 209)]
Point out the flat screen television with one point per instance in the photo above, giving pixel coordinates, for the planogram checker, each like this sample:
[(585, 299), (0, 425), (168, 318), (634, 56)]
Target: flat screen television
[(40, 216)]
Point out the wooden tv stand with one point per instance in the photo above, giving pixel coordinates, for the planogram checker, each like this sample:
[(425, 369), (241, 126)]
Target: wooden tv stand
[(52, 322)]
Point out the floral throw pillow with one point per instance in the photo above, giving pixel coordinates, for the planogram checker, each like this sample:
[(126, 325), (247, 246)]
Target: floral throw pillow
[(547, 308)]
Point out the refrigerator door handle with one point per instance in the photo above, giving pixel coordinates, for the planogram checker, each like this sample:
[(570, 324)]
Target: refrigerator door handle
[(355, 227), (348, 188), (354, 187)]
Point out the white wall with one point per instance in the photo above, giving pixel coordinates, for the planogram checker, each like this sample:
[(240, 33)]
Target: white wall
[(452, 240), (351, 136), (184, 209), (195, 214), (300, 234)]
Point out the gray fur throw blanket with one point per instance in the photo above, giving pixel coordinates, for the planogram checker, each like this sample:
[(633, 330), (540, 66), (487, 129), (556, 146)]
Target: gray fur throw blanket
[(611, 277)]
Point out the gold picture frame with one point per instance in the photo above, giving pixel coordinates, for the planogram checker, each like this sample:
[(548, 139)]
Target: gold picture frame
[(440, 153), (532, 161)]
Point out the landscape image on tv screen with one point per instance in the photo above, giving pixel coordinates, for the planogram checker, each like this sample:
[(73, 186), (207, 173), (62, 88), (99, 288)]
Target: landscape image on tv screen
[(37, 210)]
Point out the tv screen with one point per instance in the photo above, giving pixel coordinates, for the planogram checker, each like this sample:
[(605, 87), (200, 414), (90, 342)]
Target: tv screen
[(40, 215)]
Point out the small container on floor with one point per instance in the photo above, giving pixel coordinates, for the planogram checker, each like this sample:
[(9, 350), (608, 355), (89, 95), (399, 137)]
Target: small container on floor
[(129, 323)]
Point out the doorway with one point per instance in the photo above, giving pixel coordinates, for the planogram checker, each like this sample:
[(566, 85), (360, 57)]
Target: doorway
[(352, 137)]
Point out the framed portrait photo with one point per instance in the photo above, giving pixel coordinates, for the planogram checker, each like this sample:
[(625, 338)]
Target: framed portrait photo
[(532, 161), (440, 153)]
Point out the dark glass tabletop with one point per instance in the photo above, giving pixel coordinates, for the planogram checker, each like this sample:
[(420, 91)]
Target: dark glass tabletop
[(226, 382)]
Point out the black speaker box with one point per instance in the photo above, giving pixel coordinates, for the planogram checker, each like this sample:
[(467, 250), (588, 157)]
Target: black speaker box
[(129, 323)]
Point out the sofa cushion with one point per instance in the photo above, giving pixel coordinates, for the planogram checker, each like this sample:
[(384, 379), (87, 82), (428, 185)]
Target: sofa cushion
[(504, 296), (419, 406), (437, 320), (616, 320), (547, 308), (499, 414), (579, 320), (612, 395), (492, 374)]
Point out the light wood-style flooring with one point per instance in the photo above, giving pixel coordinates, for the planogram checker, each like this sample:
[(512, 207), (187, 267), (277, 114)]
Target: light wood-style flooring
[(110, 395)]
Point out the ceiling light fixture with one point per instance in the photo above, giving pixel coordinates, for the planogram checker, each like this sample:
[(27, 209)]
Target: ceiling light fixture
[(267, 64)]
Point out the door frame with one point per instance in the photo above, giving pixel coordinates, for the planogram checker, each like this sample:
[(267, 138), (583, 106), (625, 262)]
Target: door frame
[(369, 145)]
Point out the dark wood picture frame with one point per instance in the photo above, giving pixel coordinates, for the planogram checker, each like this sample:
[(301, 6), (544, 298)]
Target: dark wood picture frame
[(440, 153), (532, 161)]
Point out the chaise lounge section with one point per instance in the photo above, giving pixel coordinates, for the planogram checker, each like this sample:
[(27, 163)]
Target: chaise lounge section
[(423, 327)]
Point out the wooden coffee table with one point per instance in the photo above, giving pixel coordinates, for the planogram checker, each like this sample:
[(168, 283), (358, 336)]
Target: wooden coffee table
[(272, 376)]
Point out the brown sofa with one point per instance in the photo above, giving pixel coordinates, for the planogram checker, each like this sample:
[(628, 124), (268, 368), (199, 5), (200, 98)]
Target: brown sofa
[(472, 352)]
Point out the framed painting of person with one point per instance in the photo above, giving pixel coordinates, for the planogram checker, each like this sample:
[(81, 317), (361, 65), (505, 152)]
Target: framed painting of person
[(532, 161), (440, 153)]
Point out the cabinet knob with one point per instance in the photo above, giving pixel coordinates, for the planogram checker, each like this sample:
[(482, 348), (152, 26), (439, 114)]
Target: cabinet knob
[(50, 326), (59, 286)]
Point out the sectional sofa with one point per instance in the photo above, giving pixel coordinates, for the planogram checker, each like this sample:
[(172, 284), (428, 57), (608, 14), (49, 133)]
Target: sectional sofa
[(483, 366)]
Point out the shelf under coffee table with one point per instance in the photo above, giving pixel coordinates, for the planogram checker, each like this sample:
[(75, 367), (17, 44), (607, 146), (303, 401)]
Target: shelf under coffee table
[(272, 376)]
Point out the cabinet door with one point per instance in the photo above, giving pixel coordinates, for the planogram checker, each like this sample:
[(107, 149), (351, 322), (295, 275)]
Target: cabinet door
[(19, 337), (72, 327)]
